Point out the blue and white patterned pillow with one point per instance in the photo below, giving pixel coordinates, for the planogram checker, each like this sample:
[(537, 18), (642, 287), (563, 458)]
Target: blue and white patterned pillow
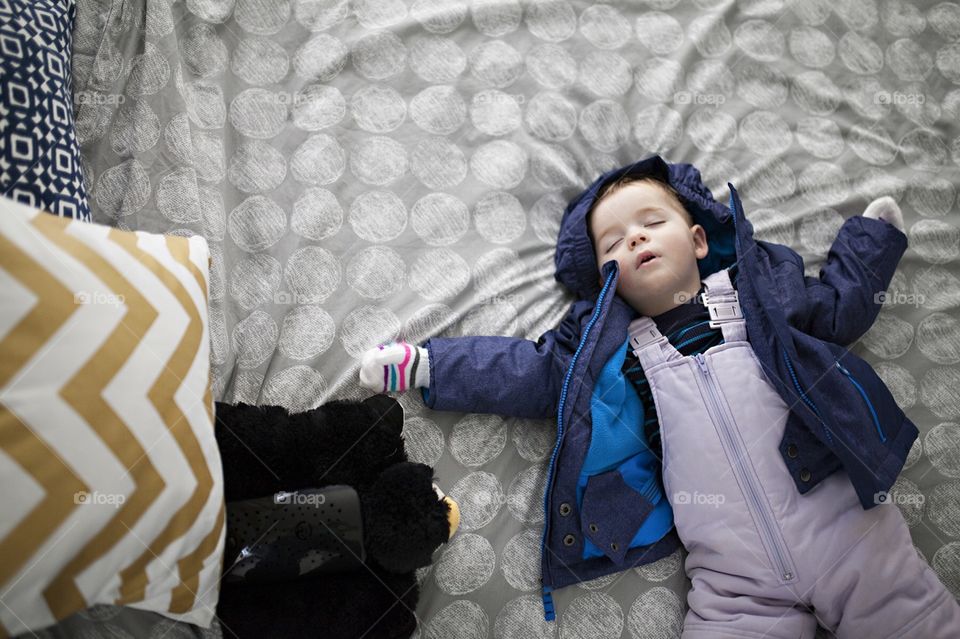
[(39, 154)]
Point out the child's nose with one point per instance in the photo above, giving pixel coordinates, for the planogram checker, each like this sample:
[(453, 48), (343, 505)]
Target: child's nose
[(635, 239)]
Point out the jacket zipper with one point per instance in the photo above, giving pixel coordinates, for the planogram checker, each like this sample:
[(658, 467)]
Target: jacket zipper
[(747, 478), (876, 420), (548, 610), (803, 396)]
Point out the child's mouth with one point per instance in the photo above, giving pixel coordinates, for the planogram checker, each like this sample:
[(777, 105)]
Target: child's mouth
[(647, 262)]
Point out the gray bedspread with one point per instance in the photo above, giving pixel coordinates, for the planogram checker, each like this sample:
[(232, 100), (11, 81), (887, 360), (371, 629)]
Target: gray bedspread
[(374, 170)]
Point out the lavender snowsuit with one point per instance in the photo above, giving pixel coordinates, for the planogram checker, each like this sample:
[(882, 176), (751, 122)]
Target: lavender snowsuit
[(763, 560), (603, 484)]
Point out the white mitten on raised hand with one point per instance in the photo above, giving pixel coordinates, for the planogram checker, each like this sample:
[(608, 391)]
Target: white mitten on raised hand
[(395, 366), (885, 208)]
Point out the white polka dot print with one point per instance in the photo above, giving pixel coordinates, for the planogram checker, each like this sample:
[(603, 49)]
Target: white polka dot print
[(604, 26), (254, 280), (466, 564), (525, 494), (254, 339), (521, 560), (319, 160), (378, 56), (373, 273), (477, 440), (495, 63), (499, 217), (462, 619), (321, 58), (317, 107), (551, 66), (494, 18), (522, 618), (257, 167), (594, 614), (500, 164), (306, 332), (439, 274), (317, 214), (256, 223), (655, 613), (440, 219), (659, 32), (437, 163), (438, 109), (259, 61), (377, 216), (495, 112), (312, 274)]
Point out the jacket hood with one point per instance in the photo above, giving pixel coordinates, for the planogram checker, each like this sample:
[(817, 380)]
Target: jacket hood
[(575, 258)]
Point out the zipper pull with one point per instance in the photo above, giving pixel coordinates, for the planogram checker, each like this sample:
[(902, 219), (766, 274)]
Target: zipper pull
[(703, 363), (548, 612), (840, 366)]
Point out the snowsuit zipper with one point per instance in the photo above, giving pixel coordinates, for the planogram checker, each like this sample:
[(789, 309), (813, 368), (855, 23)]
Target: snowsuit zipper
[(746, 477)]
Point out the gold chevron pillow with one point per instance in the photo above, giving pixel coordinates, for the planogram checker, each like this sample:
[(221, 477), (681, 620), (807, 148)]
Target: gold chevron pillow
[(112, 484)]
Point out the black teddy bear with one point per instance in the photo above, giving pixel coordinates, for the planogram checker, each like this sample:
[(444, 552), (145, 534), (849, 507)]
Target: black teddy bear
[(326, 521)]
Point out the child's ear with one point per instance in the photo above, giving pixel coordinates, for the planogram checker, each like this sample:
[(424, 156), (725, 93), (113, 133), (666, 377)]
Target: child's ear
[(700, 242)]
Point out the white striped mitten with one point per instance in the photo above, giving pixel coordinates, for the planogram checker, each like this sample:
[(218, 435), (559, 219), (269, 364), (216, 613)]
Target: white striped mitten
[(395, 366), (885, 208)]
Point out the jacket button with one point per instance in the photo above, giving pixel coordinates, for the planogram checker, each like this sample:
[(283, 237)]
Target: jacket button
[(804, 474), (593, 528), (564, 509), (614, 546), (792, 450), (569, 540)]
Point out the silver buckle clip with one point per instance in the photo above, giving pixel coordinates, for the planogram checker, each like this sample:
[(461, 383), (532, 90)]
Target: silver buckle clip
[(724, 310), (641, 339)]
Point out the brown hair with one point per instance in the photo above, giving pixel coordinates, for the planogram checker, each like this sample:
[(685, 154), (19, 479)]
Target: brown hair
[(612, 187)]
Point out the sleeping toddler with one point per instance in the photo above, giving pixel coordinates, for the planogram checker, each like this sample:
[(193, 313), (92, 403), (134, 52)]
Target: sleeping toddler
[(705, 394)]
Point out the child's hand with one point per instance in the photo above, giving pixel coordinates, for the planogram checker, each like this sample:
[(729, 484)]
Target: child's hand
[(394, 366), (885, 208)]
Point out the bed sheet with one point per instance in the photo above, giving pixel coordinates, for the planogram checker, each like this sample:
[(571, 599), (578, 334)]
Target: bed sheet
[(374, 170)]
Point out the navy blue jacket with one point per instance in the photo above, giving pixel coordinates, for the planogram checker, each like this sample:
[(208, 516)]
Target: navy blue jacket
[(800, 327)]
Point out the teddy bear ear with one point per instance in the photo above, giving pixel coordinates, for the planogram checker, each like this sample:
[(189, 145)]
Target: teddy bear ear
[(404, 521), (388, 409)]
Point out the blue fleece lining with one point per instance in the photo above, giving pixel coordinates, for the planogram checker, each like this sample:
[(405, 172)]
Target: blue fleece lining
[(617, 441)]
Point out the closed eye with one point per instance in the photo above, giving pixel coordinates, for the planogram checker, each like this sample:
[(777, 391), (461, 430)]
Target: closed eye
[(610, 248)]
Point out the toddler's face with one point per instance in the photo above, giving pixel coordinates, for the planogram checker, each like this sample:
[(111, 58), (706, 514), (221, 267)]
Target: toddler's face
[(641, 218)]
